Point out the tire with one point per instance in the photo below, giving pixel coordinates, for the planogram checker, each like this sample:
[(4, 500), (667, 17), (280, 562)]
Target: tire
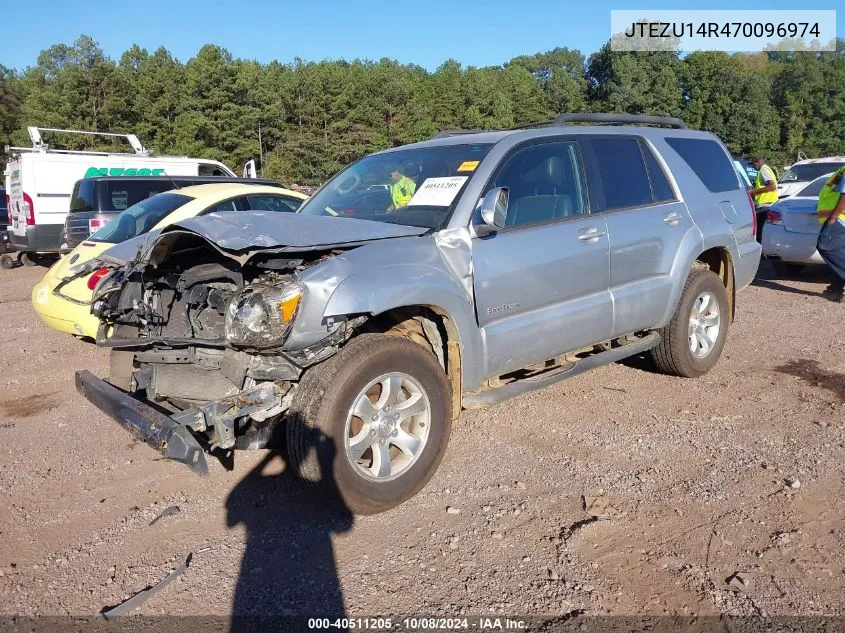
[(317, 431), (27, 259), (787, 269), (6, 262), (674, 354)]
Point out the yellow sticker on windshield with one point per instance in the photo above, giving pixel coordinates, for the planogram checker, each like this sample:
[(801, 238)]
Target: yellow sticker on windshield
[(468, 165)]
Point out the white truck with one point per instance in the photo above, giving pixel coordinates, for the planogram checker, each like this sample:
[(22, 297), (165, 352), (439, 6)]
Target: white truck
[(40, 179)]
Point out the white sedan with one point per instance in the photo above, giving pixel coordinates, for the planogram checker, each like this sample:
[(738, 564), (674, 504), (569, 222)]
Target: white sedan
[(792, 230)]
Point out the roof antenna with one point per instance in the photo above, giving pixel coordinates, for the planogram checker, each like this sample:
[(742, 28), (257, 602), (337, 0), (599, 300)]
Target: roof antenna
[(172, 182)]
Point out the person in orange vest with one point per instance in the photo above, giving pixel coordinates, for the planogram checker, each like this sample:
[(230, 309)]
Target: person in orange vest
[(831, 244)]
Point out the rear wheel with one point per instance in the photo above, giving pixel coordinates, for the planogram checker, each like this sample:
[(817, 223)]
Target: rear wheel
[(370, 425), (6, 261), (27, 259), (787, 269), (693, 341)]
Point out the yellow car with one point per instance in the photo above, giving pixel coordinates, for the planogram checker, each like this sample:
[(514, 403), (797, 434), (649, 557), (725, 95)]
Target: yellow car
[(62, 299)]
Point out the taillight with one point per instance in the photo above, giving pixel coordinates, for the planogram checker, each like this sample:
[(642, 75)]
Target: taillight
[(95, 224), (9, 209), (30, 210), (753, 215), (96, 276), (773, 217)]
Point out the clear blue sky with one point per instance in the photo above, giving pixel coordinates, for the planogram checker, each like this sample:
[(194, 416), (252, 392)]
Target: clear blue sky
[(425, 32)]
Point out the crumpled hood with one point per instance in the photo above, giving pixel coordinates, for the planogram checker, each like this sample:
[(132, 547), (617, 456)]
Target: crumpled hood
[(256, 230)]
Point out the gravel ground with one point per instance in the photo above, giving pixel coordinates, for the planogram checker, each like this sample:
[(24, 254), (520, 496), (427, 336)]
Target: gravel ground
[(617, 492)]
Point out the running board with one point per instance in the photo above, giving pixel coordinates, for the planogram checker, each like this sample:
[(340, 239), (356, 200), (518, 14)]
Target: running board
[(494, 396)]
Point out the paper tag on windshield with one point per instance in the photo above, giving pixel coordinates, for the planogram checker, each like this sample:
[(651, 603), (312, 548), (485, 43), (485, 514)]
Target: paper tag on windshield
[(438, 192)]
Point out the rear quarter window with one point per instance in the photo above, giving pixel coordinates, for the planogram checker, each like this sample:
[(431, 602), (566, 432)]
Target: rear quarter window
[(709, 162)]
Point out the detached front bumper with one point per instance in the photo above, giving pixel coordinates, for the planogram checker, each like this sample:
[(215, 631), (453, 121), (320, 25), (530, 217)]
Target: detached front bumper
[(169, 437)]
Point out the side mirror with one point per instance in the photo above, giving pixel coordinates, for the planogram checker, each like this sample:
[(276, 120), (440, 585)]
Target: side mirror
[(494, 209), (249, 169)]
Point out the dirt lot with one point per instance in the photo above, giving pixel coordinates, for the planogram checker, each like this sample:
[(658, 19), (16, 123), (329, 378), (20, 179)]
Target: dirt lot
[(690, 481)]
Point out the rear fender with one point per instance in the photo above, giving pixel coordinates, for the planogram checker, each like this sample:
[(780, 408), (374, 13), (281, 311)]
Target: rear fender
[(693, 245)]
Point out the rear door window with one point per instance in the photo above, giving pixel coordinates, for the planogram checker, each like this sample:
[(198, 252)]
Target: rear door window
[(621, 173), (709, 162)]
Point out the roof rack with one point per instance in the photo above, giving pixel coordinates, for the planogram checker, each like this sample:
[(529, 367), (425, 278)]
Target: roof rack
[(617, 118), (599, 118), (448, 133), (39, 145)]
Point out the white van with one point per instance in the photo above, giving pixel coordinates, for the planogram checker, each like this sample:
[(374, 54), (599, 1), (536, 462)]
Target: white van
[(40, 179)]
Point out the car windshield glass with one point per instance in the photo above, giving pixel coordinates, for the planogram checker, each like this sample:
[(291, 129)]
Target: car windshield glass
[(743, 175), (415, 187), (809, 171), (139, 218), (814, 188)]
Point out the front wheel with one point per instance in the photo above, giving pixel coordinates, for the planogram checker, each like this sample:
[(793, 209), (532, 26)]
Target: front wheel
[(370, 425), (693, 341)]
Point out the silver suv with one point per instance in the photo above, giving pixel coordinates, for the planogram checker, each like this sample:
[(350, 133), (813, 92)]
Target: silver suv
[(420, 281)]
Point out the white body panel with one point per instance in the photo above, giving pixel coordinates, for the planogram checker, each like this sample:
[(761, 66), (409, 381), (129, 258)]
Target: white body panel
[(48, 179)]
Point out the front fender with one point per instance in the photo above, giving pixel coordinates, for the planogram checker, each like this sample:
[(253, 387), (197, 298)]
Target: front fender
[(378, 292), (393, 274)]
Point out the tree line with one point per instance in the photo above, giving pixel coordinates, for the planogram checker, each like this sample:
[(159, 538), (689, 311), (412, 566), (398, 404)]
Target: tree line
[(309, 119)]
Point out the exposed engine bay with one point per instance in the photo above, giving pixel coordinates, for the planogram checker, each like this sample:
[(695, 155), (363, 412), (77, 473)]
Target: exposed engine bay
[(200, 335)]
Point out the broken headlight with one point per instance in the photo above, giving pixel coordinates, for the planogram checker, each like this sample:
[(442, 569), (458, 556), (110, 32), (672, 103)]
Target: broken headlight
[(261, 315)]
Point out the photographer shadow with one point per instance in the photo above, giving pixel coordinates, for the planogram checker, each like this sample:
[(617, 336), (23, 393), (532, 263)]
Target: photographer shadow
[(288, 572)]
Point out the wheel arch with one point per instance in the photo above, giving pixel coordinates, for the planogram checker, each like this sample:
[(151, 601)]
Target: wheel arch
[(717, 253), (719, 260), (432, 327)]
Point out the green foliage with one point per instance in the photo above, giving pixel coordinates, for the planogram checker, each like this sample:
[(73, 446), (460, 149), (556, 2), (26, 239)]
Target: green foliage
[(316, 117)]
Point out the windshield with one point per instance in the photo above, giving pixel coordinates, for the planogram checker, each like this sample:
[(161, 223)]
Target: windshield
[(742, 173), (139, 218), (809, 171), (415, 187), (814, 188)]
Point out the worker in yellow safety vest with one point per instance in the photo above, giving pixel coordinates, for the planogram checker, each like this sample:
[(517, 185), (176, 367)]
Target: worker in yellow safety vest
[(831, 244), (401, 189), (764, 192)]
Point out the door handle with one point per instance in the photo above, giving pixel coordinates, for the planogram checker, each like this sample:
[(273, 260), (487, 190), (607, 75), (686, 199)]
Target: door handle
[(672, 218), (590, 234)]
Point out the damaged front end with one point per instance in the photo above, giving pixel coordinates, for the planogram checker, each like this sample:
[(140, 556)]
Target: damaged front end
[(198, 337)]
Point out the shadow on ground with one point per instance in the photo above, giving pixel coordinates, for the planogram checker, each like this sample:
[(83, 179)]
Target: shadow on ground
[(768, 278), (288, 568), (810, 372)]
